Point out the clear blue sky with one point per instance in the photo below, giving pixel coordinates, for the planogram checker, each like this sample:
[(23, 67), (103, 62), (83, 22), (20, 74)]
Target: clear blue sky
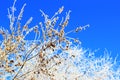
[(102, 15)]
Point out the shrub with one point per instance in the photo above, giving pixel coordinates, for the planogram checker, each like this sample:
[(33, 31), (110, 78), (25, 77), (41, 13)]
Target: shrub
[(52, 55)]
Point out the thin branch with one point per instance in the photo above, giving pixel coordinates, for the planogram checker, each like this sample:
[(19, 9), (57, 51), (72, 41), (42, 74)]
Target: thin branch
[(24, 62)]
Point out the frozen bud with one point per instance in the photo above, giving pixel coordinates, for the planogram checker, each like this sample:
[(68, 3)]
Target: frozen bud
[(60, 10)]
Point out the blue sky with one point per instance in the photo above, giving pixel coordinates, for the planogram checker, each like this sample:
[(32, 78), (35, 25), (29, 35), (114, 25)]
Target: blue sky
[(102, 15)]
